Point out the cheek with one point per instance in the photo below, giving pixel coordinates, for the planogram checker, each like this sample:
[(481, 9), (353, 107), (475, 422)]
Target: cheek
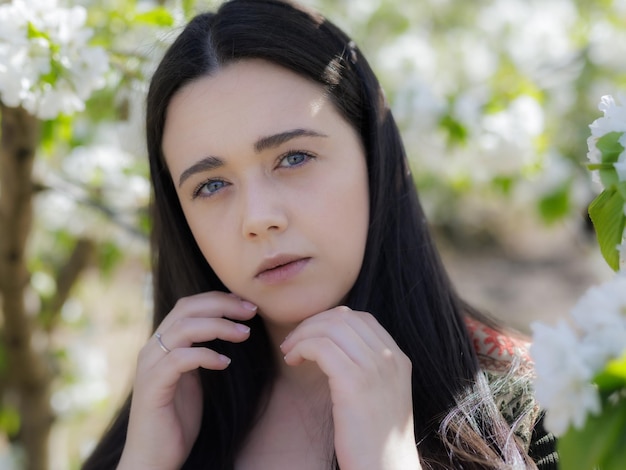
[(212, 240), (346, 218), (222, 256)]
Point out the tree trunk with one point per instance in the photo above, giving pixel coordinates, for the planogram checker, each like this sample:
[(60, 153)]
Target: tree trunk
[(28, 376)]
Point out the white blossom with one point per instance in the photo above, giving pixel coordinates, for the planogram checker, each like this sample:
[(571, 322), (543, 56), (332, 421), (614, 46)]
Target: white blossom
[(46, 64), (89, 386), (614, 120), (563, 384), (110, 168), (607, 41), (536, 32), (569, 356), (600, 315)]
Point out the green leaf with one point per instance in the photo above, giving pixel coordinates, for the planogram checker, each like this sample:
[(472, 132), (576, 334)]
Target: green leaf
[(621, 188), (144, 222), (159, 16), (607, 214), (597, 443), (188, 8), (57, 131), (57, 70), (9, 420), (613, 377), (457, 132), (389, 17), (615, 460), (504, 184), (610, 148), (109, 256), (556, 204), (33, 33), (617, 367)]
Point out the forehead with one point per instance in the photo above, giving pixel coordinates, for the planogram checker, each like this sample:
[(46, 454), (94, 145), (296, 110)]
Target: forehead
[(250, 97)]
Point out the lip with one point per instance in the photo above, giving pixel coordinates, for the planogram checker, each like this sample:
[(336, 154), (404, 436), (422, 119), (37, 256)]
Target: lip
[(281, 268)]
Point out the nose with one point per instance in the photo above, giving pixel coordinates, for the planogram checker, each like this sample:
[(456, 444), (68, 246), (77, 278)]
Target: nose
[(263, 211)]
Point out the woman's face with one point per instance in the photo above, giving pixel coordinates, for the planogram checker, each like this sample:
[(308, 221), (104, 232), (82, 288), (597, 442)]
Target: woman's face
[(273, 183)]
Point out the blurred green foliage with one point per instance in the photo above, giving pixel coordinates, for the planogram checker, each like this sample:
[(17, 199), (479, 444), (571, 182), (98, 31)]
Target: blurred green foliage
[(490, 103)]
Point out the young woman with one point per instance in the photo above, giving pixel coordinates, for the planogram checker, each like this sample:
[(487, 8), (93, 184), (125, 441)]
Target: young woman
[(302, 316)]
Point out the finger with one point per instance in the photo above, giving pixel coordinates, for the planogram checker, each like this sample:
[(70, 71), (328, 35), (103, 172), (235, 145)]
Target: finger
[(161, 380), (382, 344), (346, 379), (330, 358), (184, 332), (342, 324), (341, 333), (210, 304), (359, 335), (376, 328), (368, 328), (387, 353)]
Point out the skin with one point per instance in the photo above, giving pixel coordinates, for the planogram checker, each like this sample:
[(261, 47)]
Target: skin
[(299, 197), (306, 197)]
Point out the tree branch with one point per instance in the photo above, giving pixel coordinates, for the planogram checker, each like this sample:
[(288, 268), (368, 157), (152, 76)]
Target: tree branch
[(27, 372), (67, 276), (78, 193)]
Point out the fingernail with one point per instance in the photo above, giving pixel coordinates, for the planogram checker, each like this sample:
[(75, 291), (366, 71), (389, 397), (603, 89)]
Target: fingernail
[(248, 305), (243, 328), (224, 359), (284, 341)]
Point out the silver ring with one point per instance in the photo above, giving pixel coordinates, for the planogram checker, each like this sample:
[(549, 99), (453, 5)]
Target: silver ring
[(161, 345)]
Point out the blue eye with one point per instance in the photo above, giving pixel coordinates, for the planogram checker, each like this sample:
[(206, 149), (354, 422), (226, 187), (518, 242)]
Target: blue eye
[(208, 188), (294, 159)]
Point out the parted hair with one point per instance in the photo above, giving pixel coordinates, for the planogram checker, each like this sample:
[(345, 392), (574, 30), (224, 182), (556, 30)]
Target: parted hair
[(402, 282)]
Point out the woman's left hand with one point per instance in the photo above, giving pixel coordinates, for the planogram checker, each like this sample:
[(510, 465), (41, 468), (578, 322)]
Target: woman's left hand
[(370, 387)]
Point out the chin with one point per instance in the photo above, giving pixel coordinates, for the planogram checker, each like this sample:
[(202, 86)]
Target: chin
[(296, 310)]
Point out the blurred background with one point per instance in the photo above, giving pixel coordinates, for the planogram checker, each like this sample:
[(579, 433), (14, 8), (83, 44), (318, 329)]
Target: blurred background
[(494, 99)]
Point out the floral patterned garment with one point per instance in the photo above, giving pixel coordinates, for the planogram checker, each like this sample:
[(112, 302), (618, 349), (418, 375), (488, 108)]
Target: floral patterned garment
[(507, 364)]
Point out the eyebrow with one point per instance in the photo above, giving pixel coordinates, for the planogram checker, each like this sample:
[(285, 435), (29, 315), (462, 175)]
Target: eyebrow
[(264, 143), (206, 164), (277, 139)]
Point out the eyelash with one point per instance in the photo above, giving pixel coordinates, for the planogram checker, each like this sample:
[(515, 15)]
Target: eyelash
[(308, 156), (196, 192), (291, 153)]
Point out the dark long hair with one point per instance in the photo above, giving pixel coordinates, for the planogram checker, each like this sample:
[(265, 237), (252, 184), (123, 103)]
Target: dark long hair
[(402, 281)]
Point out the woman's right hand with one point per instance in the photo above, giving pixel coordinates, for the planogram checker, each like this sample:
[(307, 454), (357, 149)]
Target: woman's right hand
[(166, 407)]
